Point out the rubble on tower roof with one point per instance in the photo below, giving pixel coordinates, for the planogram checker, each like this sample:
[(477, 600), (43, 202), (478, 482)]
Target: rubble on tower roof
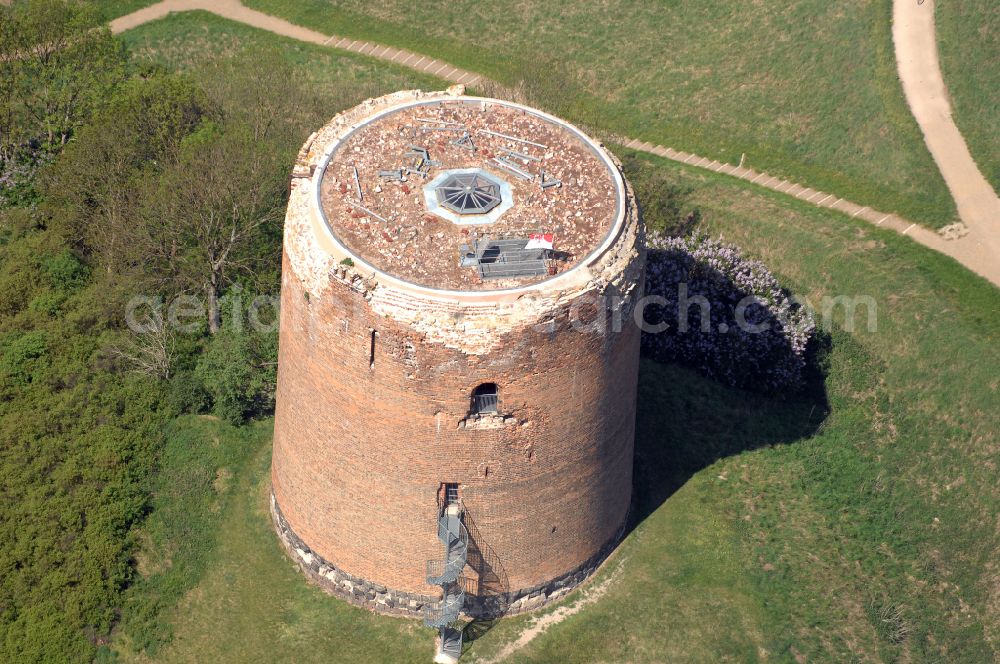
[(375, 204)]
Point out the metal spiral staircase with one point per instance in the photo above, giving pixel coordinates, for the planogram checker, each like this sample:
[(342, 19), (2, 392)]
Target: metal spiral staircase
[(447, 573)]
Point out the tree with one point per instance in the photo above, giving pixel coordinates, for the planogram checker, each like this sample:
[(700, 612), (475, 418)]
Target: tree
[(239, 372), (217, 212), (149, 352), (59, 64), (105, 175), (10, 70), (262, 91), (180, 188)]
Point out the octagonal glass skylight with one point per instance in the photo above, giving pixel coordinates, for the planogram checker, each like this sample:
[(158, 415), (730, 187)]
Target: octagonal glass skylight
[(468, 193), (468, 196)]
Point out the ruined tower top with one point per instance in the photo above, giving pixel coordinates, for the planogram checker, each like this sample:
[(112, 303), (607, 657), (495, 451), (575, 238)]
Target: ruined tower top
[(456, 194)]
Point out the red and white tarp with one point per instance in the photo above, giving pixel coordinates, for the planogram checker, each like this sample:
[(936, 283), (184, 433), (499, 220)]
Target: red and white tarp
[(539, 241)]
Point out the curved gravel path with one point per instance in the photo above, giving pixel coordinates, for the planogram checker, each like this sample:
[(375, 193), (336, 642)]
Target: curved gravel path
[(976, 250), (920, 72)]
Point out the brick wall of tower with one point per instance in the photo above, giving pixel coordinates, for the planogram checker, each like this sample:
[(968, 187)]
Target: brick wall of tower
[(360, 451)]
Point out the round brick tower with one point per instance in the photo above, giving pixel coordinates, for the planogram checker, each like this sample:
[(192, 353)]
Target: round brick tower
[(458, 362)]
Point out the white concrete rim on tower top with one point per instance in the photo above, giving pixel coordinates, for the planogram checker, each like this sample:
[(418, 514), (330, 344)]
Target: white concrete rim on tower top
[(564, 279)]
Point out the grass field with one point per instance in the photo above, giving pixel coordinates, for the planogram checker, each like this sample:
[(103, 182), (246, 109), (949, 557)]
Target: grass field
[(229, 592), (806, 88), (196, 483), (111, 9), (969, 46), (854, 525), (189, 40)]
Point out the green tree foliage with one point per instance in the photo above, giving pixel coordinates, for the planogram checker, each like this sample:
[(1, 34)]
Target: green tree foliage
[(64, 271), (77, 446), (101, 180), (57, 66), (183, 185), (259, 90), (239, 372), (216, 213), (151, 183), (79, 433), (664, 202)]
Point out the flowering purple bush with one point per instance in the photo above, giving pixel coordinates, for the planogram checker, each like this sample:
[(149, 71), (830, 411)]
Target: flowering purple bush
[(725, 315), (17, 177)]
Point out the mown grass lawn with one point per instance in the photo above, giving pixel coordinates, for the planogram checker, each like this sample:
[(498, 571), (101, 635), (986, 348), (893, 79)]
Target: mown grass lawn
[(252, 604), (189, 40), (969, 46), (870, 537), (805, 88), (111, 9), (236, 596)]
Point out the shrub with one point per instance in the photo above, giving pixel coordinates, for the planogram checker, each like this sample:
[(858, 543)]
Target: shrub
[(755, 335), (239, 372), (665, 204), (187, 394), (24, 358), (64, 271), (48, 303), (17, 177)]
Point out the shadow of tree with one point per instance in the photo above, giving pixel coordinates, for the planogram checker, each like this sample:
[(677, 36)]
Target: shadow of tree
[(685, 422)]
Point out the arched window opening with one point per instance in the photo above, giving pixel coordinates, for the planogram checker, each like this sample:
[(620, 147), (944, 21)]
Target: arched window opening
[(485, 399)]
